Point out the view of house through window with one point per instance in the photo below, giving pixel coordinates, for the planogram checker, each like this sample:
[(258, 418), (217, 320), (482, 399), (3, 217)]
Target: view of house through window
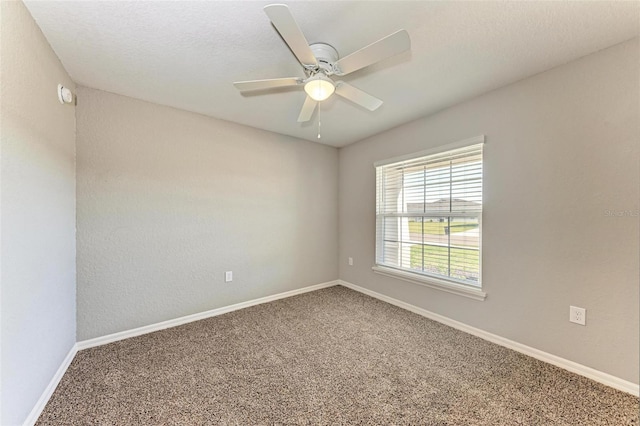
[(429, 214)]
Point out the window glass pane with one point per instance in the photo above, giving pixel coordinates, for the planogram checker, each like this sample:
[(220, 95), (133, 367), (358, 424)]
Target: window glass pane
[(408, 257), (465, 248)]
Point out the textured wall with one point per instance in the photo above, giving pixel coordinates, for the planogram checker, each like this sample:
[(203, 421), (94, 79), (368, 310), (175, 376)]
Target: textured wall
[(169, 200), (38, 214), (562, 149)]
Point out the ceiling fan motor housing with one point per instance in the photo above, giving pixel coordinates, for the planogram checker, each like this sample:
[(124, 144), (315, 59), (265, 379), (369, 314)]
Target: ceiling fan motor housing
[(326, 56)]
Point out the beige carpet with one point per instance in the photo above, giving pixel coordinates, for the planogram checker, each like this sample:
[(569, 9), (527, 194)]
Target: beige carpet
[(333, 356)]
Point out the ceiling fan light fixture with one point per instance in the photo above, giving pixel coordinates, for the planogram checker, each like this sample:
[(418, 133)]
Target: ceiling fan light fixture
[(319, 87)]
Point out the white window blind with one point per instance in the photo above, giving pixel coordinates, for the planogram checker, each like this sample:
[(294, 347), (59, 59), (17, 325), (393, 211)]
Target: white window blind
[(429, 215)]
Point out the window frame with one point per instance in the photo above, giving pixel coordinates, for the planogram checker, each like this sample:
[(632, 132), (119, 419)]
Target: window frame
[(439, 282)]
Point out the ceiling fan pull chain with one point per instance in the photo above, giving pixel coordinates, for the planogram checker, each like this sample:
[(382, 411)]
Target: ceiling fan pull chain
[(319, 123)]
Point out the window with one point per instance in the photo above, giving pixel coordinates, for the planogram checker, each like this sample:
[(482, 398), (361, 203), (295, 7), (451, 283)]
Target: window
[(429, 216)]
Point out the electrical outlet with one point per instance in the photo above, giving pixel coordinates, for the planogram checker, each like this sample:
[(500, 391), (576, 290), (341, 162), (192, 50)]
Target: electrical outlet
[(351, 261), (228, 276), (578, 315)]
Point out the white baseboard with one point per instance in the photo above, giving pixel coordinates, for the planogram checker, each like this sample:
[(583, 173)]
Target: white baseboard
[(103, 340), (44, 398), (574, 367)]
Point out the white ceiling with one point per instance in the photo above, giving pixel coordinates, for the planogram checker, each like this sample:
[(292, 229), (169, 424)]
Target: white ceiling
[(187, 54)]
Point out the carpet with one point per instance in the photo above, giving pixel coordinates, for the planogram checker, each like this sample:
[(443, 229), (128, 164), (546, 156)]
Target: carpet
[(333, 356)]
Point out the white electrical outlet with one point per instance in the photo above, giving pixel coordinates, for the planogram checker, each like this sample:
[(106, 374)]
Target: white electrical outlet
[(351, 261), (578, 315), (228, 276)]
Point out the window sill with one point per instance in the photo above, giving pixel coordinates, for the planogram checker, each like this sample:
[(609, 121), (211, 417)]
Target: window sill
[(435, 283)]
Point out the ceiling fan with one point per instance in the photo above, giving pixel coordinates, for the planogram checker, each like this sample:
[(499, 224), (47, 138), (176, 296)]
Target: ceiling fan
[(320, 61)]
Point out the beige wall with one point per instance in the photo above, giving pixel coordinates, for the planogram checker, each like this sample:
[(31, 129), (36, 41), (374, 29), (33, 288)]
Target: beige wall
[(37, 185), (169, 200), (561, 149)]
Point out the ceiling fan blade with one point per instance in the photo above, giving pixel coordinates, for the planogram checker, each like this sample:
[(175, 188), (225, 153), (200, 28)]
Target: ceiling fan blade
[(384, 48), (307, 110), (283, 20), (267, 84), (357, 96)]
